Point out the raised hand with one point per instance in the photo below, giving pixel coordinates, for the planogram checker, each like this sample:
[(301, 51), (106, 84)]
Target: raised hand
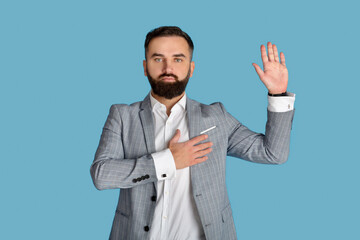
[(188, 153), (275, 74)]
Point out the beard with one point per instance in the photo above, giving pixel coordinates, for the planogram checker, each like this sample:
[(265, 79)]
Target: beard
[(168, 90)]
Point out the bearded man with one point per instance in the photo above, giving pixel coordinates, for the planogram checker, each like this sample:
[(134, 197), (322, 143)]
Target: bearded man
[(167, 153)]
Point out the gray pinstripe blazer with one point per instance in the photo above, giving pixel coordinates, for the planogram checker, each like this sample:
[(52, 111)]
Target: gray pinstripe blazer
[(123, 160)]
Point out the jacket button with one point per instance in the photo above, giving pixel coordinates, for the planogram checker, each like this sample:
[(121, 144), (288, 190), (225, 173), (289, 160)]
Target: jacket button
[(138, 179), (134, 180), (147, 176), (146, 228), (143, 178), (153, 198)]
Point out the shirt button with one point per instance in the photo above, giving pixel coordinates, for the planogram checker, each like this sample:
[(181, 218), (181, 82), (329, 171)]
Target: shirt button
[(146, 228), (165, 217), (164, 175)]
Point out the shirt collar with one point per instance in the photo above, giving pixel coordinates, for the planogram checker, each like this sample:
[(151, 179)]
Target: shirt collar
[(155, 104)]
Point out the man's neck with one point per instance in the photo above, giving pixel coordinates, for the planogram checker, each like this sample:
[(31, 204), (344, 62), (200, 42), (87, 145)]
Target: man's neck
[(169, 103)]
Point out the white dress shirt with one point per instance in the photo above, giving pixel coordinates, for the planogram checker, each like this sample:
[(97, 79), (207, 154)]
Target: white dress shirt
[(176, 215)]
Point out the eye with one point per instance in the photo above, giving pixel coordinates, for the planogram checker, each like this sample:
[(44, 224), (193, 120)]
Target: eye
[(179, 60), (158, 60)]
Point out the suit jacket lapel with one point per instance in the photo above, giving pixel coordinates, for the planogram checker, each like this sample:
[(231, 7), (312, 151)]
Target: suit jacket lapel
[(194, 123), (193, 116), (147, 123)]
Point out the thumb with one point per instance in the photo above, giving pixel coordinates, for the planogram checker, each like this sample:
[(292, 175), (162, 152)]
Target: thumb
[(175, 138), (258, 70)]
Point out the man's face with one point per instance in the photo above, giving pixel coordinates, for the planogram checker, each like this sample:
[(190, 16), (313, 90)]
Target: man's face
[(168, 66)]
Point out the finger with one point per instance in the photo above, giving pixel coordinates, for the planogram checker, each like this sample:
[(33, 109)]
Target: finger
[(176, 137), (198, 139), (202, 153), (258, 70), (264, 56), (270, 52), (276, 55), (202, 146), (282, 58), (198, 160)]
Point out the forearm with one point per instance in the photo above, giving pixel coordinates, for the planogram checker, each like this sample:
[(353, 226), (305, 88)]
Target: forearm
[(277, 136), (110, 173), (271, 148)]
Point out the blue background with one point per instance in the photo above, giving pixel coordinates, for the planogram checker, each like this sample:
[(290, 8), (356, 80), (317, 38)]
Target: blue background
[(63, 63)]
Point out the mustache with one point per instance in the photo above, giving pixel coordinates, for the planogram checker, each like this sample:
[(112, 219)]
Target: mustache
[(169, 75)]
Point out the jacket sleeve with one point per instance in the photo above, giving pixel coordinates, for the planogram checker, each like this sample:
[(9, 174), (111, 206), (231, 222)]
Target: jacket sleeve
[(271, 148), (110, 169)]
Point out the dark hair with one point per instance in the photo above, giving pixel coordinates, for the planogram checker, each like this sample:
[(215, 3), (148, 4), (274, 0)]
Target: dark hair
[(168, 31)]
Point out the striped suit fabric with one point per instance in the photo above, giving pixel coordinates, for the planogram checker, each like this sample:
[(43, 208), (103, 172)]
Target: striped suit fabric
[(123, 161)]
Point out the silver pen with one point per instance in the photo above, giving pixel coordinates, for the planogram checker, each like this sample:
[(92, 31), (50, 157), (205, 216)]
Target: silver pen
[(208, 130)]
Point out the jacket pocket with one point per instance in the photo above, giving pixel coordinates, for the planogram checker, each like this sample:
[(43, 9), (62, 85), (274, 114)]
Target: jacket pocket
[(122, 213), (120, 228)]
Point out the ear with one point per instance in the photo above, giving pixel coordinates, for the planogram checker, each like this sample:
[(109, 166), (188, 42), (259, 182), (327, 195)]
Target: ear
[(144, 65), (192, 67)]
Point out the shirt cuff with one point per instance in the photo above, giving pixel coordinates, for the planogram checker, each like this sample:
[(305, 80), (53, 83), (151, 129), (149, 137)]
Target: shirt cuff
[(164, 164), (281, 104)]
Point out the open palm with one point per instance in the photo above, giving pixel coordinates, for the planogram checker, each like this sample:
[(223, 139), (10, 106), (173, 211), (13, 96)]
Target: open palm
[(275, 75)]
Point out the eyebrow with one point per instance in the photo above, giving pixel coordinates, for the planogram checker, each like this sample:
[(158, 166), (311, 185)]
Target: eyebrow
[(179, 55), (157, 55), (162, 55)]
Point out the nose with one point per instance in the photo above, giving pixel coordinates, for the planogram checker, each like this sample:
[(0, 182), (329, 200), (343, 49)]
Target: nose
[(167, 67)]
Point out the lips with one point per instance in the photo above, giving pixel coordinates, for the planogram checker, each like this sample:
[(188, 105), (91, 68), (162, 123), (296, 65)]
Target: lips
[(168, 79)]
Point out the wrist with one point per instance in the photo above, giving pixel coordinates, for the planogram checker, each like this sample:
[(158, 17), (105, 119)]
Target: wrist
[(277, 94)]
